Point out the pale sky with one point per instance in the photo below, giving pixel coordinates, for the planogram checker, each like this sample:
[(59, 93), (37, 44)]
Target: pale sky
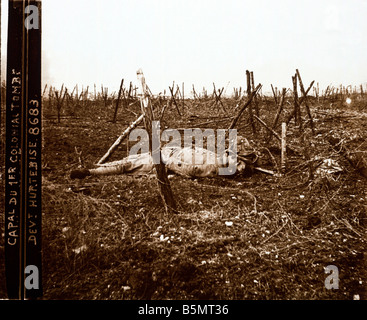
[(199, 42)]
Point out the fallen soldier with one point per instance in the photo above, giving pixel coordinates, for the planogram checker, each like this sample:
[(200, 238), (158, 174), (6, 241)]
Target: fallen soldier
[(175, 160)]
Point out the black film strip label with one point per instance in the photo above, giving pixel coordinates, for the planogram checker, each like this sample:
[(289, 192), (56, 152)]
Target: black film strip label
[(23, 177)]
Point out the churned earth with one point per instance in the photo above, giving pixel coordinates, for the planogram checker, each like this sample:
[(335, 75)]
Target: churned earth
[(254, 236)]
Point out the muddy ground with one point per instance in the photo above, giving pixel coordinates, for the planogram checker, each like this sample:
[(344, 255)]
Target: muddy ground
[(253, 236)]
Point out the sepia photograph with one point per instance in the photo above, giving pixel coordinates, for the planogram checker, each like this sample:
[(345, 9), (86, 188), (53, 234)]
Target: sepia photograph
[(183, 150)]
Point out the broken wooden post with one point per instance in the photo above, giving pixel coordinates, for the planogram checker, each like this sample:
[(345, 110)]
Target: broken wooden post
[(325, 94), (50, 96), (248, 102), (77, 97), (80, 96), (60, 101), (85, 97), (132, 126), (44, 91), (162, 111), (300, 102), (255, 98), (275, 134), (235, 93), (72, 93), (160, 168), (297, 110), (249, 91), (283, 148), (69, 102), (79, 155), (280, 108), (267, 127), (117, 101), (274, 94), (218, 97), (104, 95), (194, 92), (318, 93), (305, 100), (174, 100), (341, 94)]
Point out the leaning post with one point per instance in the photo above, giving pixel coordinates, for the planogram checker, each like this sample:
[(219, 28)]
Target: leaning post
[(162, 178)]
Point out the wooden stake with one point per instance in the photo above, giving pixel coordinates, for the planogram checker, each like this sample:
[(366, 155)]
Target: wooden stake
[(174, 100), (283, 147), (280, 108), (297, 113), (72, 93), (60, 101), (132, 126), (276, 135), (248, 77), (300, 102), (50, 96), (117, 102), (248, 102), (218, 97), (194, 92), (255, 98), (305, 100), (274, 94), (44, 91), (325, 94), (267, 127)]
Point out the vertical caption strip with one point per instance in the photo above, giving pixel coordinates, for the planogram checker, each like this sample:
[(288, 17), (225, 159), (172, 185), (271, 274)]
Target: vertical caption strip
[(23, 178)]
